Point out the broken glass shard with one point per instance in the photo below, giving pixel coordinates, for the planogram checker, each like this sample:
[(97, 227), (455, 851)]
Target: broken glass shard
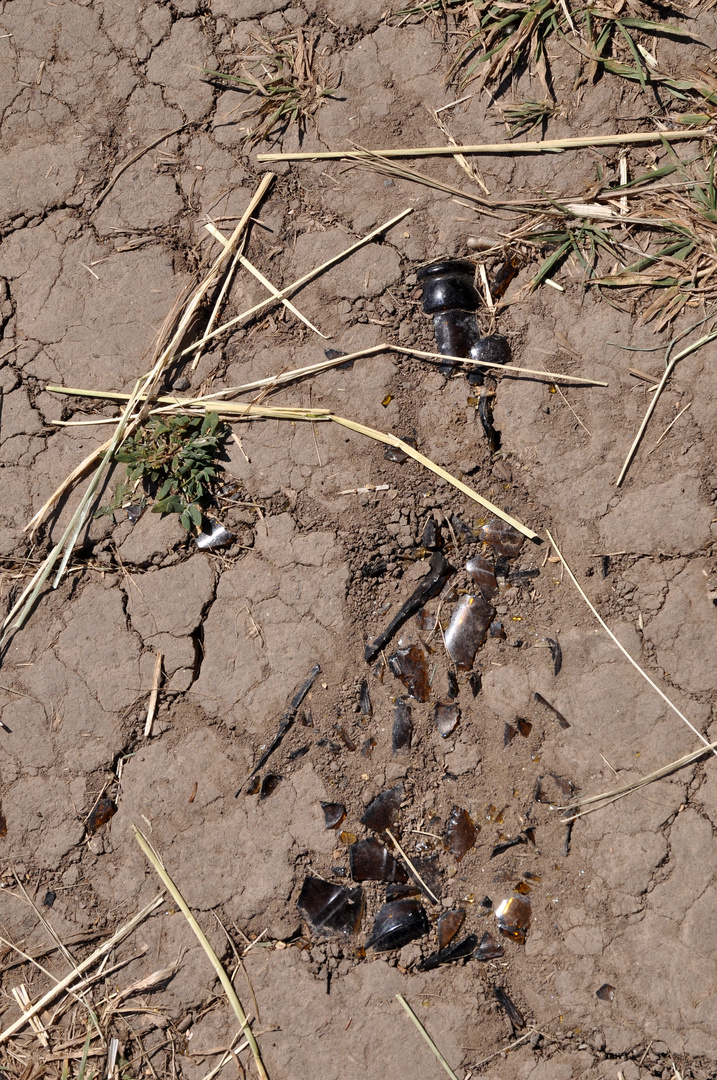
[(461, 833), (397, 923), (497, 630), (513, 917), (482, 573), (501, 538), (509, 733), (329, 908), (382, 812), (103, 810), (468, 630), (371, 861), (452, 684), (365, 700), (553, 790), (514, 1014), (524, 726), (556, 654), (489, 948), (399, 892), (446, 717), (431, 536), (448, 926), (396, 454), (369, 746), (217, 536), (334, 814), (402, 727), (504, 845), (459, 950), (269, 785), (558, 715), (606, 992), (410, 665), (429, 586)]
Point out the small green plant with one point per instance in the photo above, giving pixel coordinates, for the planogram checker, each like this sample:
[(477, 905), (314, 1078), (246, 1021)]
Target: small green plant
[(175, 458), (285, 84)]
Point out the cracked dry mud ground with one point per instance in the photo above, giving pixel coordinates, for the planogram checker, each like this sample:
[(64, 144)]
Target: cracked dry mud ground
[(83, 290)]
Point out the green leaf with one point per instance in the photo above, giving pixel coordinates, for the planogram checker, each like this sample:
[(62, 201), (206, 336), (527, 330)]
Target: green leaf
[(195, 514)]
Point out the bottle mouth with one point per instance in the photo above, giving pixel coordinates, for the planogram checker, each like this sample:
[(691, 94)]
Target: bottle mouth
[(448, 285), (446, 266)]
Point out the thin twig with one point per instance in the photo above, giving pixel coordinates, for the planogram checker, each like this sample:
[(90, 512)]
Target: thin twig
[(622, 648), (135, 157), (152, 703), (668, 428), (404, 1004), (412, 868), (635, 139), (203, 941)]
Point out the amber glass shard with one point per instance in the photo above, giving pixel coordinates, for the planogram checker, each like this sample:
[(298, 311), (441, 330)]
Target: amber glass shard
[(329, 908), (369, 746), (400, 892), (513, 917), (334, 814), (402, 727), (524, 726), (514, 1014), (365, 700), (410, 665), (458, 950), (347, 838), (383, 811), (397, 923), (448, 926), (468, 630), (606, 992), (103, 810), (269, 785), (371, 861), (446, 717), (461, 833), (489, 948), (501, 538), (509, 733), (482, 572)]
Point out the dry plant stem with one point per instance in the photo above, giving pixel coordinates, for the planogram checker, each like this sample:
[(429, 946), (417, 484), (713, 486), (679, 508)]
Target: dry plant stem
[(607, 797), (554, 376), (578, 143), (202, 939), (404, 1004), (623, 650), (135, 157), (411, 867), (275, 292), (298, 283), (67, 483), (105, 948), (152, 704), (655, 397)]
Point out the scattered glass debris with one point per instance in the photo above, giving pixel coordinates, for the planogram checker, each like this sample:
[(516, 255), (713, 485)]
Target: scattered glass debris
[(371, 861), (369, 746), (459, 950), (410, 665), (446, 717), (509, 733), (431, 536), (489, 948), (501, 538), (396, 454), (397, 923), (381, 813), (475, 682), (513, 917), (402, 727), (329, 908), (334, 814), (103, 810), (460, 834), (448, 926), (553, 790), (347, 838), (217, 537), (468, 630), (299, 752), (429, 586)]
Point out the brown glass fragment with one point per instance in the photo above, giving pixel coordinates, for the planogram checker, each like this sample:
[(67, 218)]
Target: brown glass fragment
[(489, 948), (513, 917), (509, 733), (334, 814), (504, 845), (369, 746), (365, 700), (556, 654), (452, 680), (498, 630), (371, 861), (461, 833), (523, 888), (410, 665), (253, 786), (448, 926), (329, 908), (459, 950), (606, 992), (552, 789), (397, 923), (475, 682), (400, 892), (3, 824), (482, 572), (269, 785), (501, 538), (381, 813), (402, 727), (468, 630), (102, 811), (429, 586), (395, 453), (524, 726), (514, 1014), (446, 716), (431, 536), (347, 838), (558, 715)]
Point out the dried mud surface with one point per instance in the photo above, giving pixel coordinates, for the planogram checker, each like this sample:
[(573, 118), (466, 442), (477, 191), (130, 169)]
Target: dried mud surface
[(83, 290)]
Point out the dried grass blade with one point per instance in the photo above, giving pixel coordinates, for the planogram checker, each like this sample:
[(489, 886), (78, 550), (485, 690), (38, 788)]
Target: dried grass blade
[(661, 385), (203, 941), (66, 484), (154, 694), (635, 139), (554, 376), (103, 949), (404, 1004), (622, 648)]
